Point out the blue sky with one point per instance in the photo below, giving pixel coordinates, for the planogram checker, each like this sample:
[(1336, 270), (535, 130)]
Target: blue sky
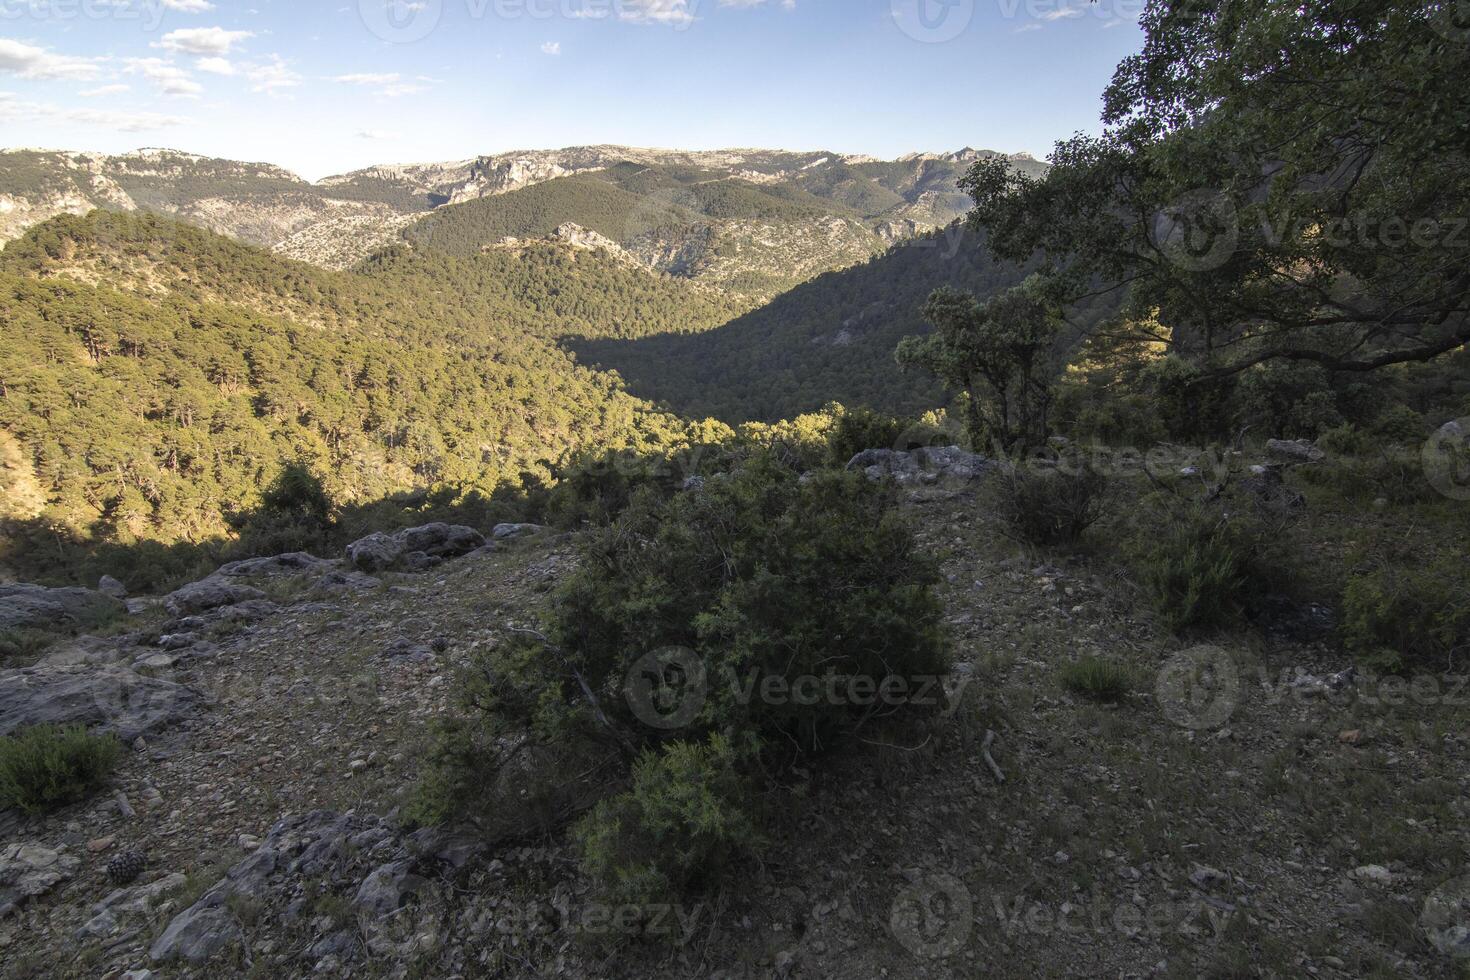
[(325, 86)]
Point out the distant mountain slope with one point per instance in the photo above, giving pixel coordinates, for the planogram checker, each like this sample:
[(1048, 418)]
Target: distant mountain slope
[(756, 234), (753, 222), (832, 338), (155, 375)]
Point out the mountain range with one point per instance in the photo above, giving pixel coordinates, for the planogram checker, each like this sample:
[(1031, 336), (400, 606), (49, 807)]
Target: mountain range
[(750, 222)]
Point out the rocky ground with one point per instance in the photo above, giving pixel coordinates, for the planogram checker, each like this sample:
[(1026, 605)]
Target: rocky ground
[(1290, 820)]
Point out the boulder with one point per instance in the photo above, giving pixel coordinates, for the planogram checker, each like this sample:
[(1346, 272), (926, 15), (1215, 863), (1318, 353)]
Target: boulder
[(91, 650), (39, 608), (28, 870), (278, 566), (927, 464), (375, 552), (1295, 450), (378, 551), (108, 585), (338, 582), (196, 934), (108, 698), (506, 532), (209, 593), (385, 889)]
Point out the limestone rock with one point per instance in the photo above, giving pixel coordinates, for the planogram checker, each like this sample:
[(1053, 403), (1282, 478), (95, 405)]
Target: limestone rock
[(28, 870), (1295, 450), (504, 532), (210, 593), (40, 608), (108, 698), (378, 552)]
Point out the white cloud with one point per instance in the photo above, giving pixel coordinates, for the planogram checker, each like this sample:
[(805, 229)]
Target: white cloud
[(203, 40), (188, 6), (551, 47), (272, 76), (170, 79), (28, 61), (377, 134), (123, 122), (369, 78), (215, 66), (101, 90)]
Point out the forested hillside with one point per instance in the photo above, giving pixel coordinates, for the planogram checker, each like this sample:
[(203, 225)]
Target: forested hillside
[(158, 375), (829, 339)]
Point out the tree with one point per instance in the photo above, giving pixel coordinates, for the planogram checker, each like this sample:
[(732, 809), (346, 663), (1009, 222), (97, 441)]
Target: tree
[(1002, 354), (1275, 181)]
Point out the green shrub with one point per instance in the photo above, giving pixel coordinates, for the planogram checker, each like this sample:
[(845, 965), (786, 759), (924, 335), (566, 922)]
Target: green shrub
[(1342, 440), (685, 818), (45, 768), (1401, 616), (1052, 506), (1394, 473), (1400, 425), (762, 581), (1201, 565), (1096, 678), (18, 645), (857, 429)]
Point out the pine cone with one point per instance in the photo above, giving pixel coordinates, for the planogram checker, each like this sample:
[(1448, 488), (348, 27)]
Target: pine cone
[(126, 867)]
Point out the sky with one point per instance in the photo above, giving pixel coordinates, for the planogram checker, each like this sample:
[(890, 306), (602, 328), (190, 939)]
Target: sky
[(327, 86)]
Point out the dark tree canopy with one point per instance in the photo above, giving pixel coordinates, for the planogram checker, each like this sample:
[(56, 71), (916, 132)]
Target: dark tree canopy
[(1275, 181)]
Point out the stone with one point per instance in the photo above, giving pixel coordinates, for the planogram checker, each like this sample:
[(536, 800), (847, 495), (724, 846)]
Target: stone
[(297, 563), (386, 889), (39, 608), (106, 698), (507, 532), (925, 465), (1295, 450), (110, 586), (1373, 874), (1206, 878), (378, 552), (28, 870), (338, 582), (207, 594), (90, 650), (195, 935), (374, 553)]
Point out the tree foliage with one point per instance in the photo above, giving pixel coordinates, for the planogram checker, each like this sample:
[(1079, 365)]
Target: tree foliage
[(1002, 354), (1275, 181)]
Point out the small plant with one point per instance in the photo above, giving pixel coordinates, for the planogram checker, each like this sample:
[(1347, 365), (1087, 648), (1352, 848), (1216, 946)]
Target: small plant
[(1201, 565), (1397, 616), (1096, 678), (1049, 506), (684, 819), (46, 767), (23, 645)]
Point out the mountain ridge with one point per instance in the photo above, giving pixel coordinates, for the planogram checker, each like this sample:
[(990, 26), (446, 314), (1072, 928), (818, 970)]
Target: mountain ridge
[(340, 219)]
